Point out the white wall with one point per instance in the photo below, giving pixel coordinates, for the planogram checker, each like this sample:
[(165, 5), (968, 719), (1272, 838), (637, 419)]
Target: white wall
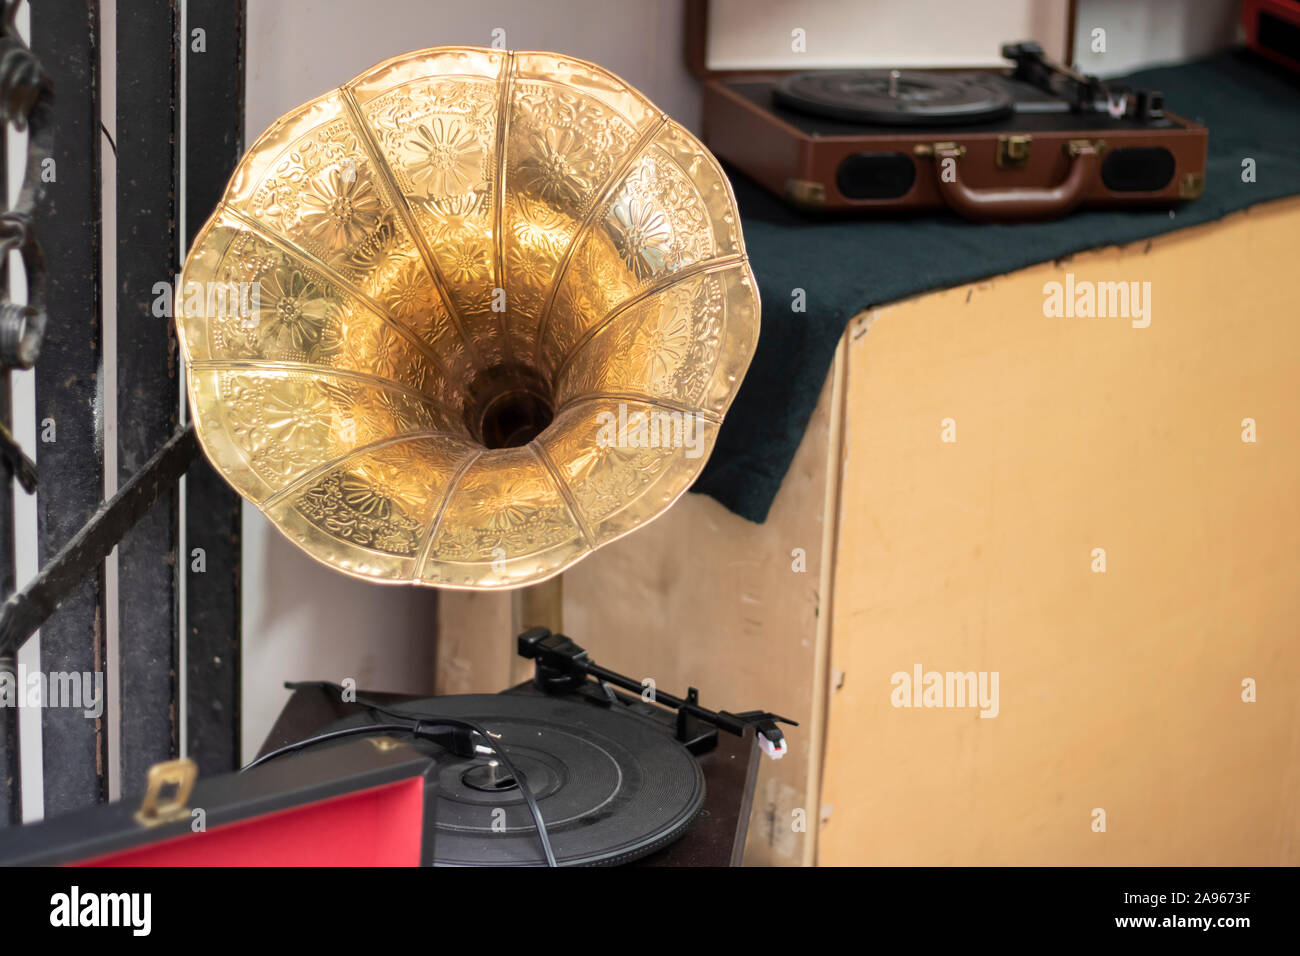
[(756, 34), (830, 34), (299, 50), (1142, 33)]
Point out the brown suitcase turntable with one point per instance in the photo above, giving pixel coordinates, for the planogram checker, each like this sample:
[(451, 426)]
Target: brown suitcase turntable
[(1032, 142)]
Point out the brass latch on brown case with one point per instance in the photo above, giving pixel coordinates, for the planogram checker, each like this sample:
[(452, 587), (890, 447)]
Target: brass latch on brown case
[(805, 192), (1075, 146), (932, 149), (1013, 151), (156, 809)]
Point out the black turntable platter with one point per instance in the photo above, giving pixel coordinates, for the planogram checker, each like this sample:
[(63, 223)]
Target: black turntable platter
[(897, 97), (611, 786)]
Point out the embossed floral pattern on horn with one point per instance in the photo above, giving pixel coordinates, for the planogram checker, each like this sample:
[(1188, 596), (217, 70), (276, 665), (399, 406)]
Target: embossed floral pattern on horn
[(467, 318)]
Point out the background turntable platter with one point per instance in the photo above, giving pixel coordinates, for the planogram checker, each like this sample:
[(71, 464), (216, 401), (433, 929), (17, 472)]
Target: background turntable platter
[(896, 97), (611, 786)]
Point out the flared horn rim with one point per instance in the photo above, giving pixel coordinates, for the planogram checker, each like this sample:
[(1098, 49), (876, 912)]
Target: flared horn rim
[(467, 318)]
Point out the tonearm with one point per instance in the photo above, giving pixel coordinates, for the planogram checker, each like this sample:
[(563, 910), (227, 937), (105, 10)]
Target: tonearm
[(563, 666), (1085, 92)]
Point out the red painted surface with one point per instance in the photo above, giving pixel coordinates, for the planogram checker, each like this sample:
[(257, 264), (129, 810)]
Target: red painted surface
[(377, 827)]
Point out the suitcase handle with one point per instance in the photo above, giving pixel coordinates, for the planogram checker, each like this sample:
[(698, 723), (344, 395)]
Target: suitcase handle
[(983, 205)]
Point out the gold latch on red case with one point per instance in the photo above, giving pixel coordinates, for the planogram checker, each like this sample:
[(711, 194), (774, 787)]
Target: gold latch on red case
[(175, 778)]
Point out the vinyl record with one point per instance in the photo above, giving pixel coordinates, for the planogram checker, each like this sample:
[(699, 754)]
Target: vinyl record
[(896, 98), (611, 786)]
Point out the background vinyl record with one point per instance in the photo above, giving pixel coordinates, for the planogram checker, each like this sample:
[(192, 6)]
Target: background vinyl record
[(611, 786), (910, 98)]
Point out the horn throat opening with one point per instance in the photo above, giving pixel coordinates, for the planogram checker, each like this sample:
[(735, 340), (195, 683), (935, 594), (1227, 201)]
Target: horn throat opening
[(509, 406)]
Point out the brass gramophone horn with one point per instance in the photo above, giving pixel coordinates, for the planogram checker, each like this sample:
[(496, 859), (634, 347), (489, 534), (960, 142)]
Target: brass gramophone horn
[(467, 318)]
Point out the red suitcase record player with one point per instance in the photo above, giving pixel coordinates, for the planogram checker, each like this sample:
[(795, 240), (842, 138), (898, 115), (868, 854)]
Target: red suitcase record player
[(1273, 30)]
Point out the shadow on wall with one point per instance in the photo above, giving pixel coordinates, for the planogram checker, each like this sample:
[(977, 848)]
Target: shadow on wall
[(305, 621)]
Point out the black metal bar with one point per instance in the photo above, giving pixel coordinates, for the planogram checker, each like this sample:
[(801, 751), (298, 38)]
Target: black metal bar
[(214, 130), (11, 801), (147, 394), (83, 555), (65, 36), (10, 763)]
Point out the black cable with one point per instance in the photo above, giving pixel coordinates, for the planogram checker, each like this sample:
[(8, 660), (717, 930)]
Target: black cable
[(320, 738), (536, 811), (538, 823)]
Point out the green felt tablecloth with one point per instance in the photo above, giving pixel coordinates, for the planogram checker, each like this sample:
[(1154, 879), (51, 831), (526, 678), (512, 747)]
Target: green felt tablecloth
[(1252, 109)]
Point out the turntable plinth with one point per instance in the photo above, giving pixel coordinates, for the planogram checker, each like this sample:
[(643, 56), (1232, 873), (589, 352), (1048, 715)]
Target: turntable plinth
[(716, 838), (821, 162)]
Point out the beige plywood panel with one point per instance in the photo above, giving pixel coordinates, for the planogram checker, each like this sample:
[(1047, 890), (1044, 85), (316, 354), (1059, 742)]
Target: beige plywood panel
[(475, 642), (1120, 690)]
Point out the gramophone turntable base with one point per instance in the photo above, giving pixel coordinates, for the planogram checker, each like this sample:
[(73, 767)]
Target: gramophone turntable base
[(717, 838)]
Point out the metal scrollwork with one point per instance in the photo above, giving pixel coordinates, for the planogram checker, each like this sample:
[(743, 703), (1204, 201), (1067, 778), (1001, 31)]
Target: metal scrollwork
[(26, 100)]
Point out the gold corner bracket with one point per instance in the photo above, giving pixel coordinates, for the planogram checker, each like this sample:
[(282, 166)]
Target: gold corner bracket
[(1191, 186)]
